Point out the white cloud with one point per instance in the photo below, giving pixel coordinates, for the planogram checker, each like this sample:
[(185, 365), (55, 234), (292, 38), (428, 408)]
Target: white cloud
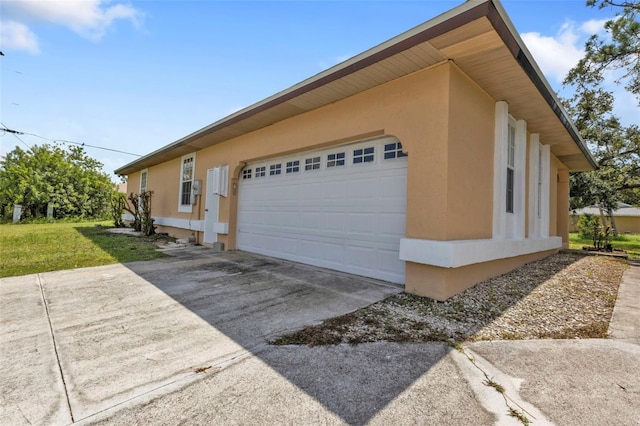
[(558, 54), (17, 36), (593, 26), (88, 18)]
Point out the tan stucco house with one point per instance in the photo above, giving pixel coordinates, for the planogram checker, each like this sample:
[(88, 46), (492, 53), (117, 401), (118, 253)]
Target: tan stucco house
[(436, 159), (626, 217)]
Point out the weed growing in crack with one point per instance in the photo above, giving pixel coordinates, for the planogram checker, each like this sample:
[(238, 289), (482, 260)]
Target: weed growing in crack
[(519, 415), (497, 386)]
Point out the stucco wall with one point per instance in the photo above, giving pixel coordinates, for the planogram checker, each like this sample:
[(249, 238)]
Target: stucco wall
[(469, 188)]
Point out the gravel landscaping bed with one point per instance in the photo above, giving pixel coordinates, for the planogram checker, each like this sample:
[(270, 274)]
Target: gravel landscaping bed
[(563, 296)]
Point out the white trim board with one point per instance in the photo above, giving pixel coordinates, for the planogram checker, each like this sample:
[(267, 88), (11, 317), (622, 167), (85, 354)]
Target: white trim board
[(192, 225), (454, 254)]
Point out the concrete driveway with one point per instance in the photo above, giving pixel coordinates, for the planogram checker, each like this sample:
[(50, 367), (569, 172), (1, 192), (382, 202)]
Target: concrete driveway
[(183, 341), (78, 342)]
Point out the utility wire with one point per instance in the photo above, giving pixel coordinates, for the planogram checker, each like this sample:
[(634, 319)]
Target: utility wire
[(20, 139), (16, 133)]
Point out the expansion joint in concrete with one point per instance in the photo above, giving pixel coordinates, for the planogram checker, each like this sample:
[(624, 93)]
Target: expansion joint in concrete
[(517, 410), (55, 347)]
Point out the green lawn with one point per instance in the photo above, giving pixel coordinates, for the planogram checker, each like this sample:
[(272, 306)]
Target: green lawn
[(628, 242), (34, 248)]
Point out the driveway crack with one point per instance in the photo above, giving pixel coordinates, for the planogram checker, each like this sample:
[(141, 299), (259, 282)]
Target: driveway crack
[(55, 347)]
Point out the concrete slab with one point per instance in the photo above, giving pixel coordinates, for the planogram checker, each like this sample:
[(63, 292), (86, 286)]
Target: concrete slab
[(377, 383), (625, 321), (32, 390), (123, 331), (573, 382)]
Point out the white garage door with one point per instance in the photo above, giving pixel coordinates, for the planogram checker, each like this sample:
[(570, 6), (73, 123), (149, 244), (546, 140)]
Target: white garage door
[(341, 208)]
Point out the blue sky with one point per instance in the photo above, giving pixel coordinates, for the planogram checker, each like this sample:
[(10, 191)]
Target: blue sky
[(135, 76)]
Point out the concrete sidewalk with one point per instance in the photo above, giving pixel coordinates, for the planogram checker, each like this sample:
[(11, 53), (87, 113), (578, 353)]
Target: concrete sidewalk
[(182, 341)]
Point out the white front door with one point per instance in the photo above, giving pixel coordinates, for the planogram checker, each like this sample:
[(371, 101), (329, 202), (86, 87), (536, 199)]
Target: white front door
[(210, 209), (341, 208)]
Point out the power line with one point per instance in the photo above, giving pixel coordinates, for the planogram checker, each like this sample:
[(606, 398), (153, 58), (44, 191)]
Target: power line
[(16, 132), (18, 137)]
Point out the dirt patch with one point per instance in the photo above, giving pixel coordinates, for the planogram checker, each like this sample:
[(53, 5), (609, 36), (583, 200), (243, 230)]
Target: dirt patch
[(563, 296)]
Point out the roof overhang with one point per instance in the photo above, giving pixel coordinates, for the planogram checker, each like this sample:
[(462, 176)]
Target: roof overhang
[(477, 36)]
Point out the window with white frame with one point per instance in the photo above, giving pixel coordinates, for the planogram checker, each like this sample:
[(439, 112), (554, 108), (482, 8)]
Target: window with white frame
[(336, 159), (312, 163), (393, 150), (143, 181), (246, 174), (275, 169), (293, 166), (511, 167), (363, 155), (261, 171), (186, 180)]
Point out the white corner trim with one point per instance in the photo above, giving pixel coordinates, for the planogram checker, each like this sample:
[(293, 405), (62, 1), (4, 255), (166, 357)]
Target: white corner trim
[(221, 227), (454, 254)]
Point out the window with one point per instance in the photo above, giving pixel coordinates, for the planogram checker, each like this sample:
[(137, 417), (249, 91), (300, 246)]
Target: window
[(363, 155), (275, 169), (246, 174), (335, 160), (261, 171), (293, 166), (143, 181), (393, 150), (312, 163), (511, 155), (186, 180)]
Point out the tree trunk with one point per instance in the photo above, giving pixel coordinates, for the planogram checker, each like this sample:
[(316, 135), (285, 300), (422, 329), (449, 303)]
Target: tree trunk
[(614, 229)]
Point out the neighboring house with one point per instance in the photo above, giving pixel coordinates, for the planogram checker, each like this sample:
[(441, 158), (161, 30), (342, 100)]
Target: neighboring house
[(437, 159), (626, 216)]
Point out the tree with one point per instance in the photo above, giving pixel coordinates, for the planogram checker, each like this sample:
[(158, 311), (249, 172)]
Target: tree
[(619, 50), (616, 147), (69, 179)]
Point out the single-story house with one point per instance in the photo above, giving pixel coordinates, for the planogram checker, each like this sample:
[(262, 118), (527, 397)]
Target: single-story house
[(436, 159), (626, 216)]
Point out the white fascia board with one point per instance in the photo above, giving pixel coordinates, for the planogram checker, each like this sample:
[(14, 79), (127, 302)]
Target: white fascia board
[(454, 254)]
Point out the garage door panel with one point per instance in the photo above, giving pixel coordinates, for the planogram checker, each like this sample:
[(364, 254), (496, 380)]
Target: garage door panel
[(361, 223), (391, 223), (349, 218), (389, 262), (334, 221)]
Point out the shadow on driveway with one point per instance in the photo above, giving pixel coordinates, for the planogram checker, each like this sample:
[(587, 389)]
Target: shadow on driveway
[(120, 337)]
